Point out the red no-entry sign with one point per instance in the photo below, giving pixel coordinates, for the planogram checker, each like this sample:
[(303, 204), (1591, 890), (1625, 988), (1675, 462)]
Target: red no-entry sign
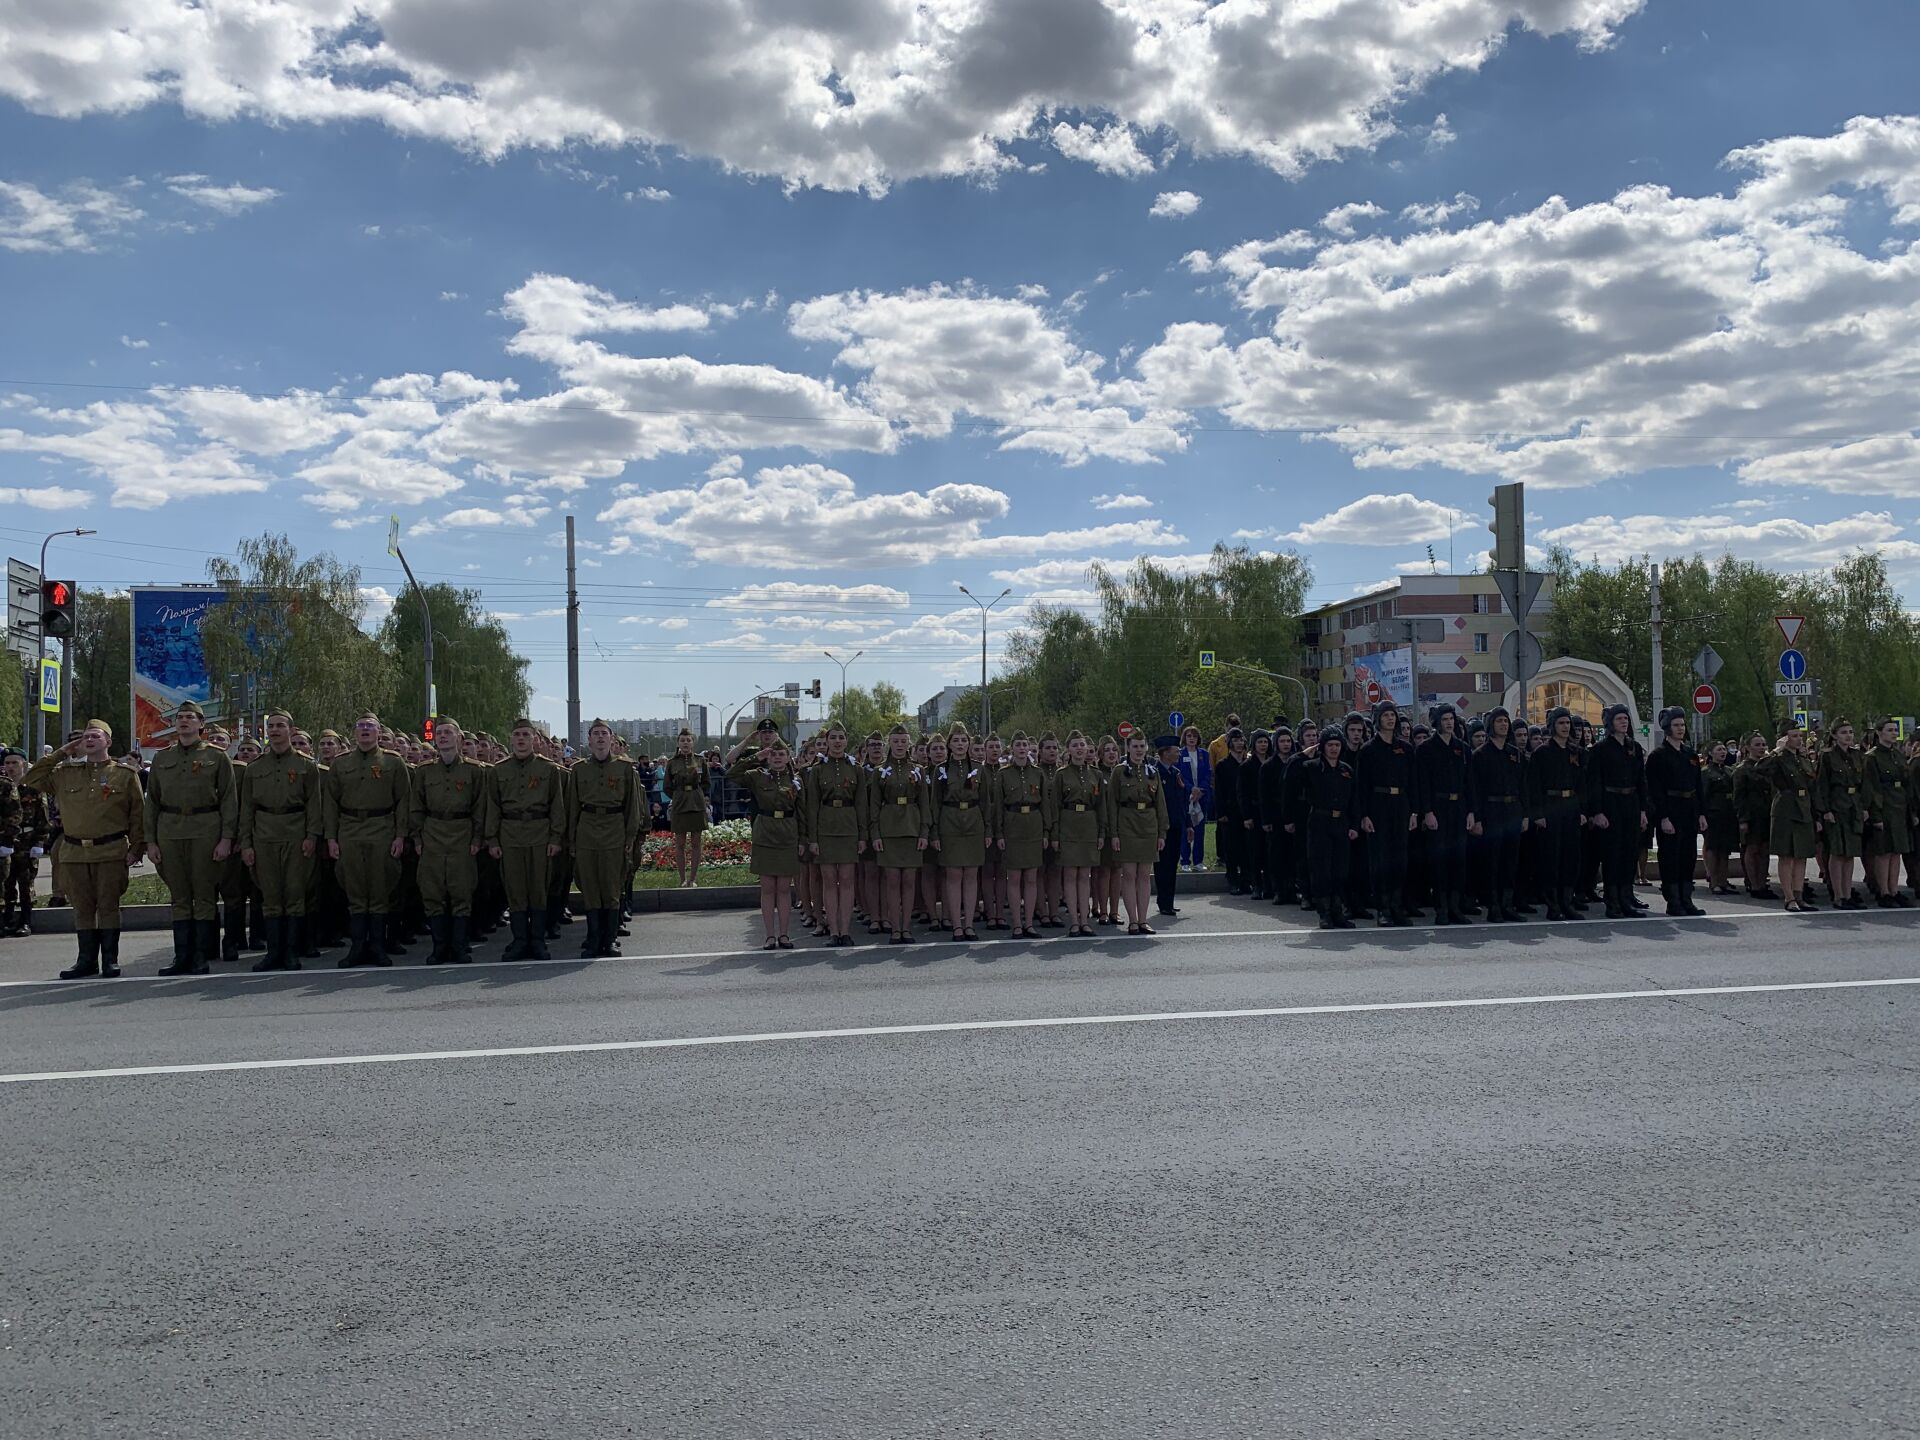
[(1706, 699)]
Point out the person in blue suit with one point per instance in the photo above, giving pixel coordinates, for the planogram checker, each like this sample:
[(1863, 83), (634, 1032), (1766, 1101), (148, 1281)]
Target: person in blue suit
[(1174, 784)]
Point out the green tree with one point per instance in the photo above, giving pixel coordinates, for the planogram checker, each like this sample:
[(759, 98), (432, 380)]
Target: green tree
[(481, 681), (102, 662), (1207, 697), (295, 625), (13, 682), (880, 707)]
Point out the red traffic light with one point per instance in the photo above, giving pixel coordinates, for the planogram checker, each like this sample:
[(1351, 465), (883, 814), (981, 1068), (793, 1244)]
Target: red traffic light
[(428, 735), (56, 609), (57, 592)]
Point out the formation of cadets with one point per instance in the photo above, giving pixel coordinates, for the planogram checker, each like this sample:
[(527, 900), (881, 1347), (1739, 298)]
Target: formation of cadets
[(360, 841)]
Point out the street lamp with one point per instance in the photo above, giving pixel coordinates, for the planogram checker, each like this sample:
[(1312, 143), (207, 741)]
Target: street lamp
[(66, 686), (986, 705), (843, 664)]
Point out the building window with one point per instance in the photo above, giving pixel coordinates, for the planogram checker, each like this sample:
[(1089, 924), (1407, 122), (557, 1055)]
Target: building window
[(1480, 605), (1479, 642), (1483, 683)]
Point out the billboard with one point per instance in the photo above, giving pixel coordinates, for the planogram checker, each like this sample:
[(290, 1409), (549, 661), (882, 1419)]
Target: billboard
[(1387, 675), (169, 665)]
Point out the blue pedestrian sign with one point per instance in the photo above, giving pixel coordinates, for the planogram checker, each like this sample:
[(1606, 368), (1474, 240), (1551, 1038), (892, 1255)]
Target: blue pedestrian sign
[(50, 686), (1793, 665), (1176, 721), (1206, 659)]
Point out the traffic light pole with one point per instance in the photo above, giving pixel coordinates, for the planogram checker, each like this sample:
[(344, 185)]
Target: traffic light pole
[(33, 690)]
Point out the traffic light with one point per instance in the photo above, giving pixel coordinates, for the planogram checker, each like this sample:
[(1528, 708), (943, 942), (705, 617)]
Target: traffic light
[(56, 609), (427, 731), (815, 691), (1509, 526)]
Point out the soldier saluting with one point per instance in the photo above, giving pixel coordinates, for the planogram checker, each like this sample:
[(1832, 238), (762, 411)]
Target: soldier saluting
[(103, 832)]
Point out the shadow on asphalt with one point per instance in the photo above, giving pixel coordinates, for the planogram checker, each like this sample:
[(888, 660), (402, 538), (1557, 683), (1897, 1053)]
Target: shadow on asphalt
[(298, 983)]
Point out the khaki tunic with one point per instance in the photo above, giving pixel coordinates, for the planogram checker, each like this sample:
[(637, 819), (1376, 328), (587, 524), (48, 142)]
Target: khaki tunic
[(192, 804), (452, 813), (686, 783), (528, 811), (1888, 832), (1792, 779), (604, 809), (899, 813), (960, 816), (102, 821), (777, 829), (1840, 790), (832, 808), (1081, 819), (279, 816), (1022, 816), (1139, 808), (366, 803)]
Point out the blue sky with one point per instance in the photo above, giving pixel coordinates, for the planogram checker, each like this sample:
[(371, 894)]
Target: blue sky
[(810, 311)]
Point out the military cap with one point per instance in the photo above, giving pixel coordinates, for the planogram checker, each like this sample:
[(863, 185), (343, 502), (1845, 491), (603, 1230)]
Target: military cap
[(102, 726), (1166, 742), (188, 707), (329, 734)]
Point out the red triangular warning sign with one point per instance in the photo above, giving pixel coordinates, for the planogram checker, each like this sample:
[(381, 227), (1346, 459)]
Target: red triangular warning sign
[(1790, 628)]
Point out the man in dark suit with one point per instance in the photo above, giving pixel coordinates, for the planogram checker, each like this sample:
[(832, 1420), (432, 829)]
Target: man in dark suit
[(1173, 782)]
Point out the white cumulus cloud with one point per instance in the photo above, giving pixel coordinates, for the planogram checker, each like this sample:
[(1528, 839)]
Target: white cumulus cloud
[(1174, 204)]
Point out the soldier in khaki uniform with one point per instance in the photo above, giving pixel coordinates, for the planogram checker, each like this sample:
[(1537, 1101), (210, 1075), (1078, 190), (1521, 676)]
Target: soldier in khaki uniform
[(529, 824), (32, 834), (242, 919), (452, 817), (103, 832), (604, 807), (366, 809), (280, 832), (192, 822)]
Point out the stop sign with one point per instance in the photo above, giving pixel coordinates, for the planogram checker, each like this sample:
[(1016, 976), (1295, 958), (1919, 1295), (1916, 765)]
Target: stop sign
[(1706, 699), (1126, 729)]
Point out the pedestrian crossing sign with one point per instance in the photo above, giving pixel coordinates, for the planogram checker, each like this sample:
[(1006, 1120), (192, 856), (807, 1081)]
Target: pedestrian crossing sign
[(50, 686), (1206, 660)]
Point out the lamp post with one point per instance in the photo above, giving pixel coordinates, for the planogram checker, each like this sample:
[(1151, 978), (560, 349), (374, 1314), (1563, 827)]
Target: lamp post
[(986, 705), (843, 664), (66, 681)]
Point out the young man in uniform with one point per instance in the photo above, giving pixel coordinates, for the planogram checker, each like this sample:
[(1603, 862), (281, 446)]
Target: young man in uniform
[(1677, 805), (1173, 784), (452, 818), (192, 819), (1442, 802), (280, 833), (604, 812), (529, 822), (366, 810), (1617, 803), (102, 835)]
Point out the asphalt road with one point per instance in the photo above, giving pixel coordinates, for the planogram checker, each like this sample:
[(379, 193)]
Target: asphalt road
[(1391, 1209)]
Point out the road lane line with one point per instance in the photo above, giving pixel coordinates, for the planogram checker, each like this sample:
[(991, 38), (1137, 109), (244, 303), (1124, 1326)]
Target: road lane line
[(1041, 947), (944, 1028)]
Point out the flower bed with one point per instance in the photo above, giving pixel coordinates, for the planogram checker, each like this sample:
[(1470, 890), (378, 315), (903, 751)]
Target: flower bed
[(728, 843)]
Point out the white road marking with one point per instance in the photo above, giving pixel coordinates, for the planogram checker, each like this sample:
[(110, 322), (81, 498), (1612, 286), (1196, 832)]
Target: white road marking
[(807, 946), (942, 1028)]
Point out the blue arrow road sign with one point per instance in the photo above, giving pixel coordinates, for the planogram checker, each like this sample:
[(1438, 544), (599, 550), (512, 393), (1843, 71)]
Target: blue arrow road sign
[(1793, 665), (1176, 720)]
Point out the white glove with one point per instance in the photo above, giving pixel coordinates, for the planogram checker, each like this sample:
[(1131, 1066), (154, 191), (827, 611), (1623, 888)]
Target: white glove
[(36, 852)]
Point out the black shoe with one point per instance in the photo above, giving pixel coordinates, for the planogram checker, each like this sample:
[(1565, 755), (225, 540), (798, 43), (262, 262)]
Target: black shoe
[(1341, 920), (87, 965)]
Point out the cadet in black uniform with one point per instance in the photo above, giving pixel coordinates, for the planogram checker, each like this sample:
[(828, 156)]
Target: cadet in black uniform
[(1331, 828), (1497, 780), (1441, 800), (1558, 805), (1282, 882), (1617, 805), (1228, 834), (1253, 837), (1677, 806), (1356, 734), (1384, 772), (1293, 806)]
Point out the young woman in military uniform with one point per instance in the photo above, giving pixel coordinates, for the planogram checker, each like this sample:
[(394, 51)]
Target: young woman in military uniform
[(1046, 755), (897, 822), (1138, 806), (988, 759), (1753, 808), (687, 787), (1888, 836), (960, 794), (1080, 829), (768, 776), (1839, 796), (830, 809), (1021, 832), (1793, 774), (1106, 875), (1723, 819), (933, 886)]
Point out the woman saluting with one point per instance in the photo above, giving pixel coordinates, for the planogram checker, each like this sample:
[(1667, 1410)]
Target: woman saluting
[(1791, 773)]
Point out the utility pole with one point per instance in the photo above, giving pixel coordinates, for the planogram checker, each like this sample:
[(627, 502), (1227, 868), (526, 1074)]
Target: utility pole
[(986, 701), (1659, 682), (66, 671), (426, 613), (573, 648), (843, 664)]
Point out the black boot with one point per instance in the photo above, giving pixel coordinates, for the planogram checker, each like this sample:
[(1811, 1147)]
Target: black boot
[(1463, 904), (1615, 910), (207, 945), (550, 929), (356, 943), (273, 934), (233, 934), (303, 946), (1671, 894), (393, 940), (1569, 907), (610, 931), (87, 965), (517, 947), (439, 929), (185, 959), (457, 940), (1325, 910), (535, 921), (377, 941), (109, 941), (590, 942), (1685, 891)]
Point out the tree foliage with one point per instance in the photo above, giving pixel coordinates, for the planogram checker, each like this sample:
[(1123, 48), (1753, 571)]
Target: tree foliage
[(1137, 656), (1859, 638), (879, 706), (295, 625), (102, 662), (482, 683)]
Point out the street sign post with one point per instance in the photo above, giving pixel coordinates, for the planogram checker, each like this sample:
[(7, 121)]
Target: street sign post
[(50, 685), (1126, 729), (1521, 656), (1793, 689), (1793, 665), (1519, 589), (1790, 629), (1176, 722), (1707, 663), (1207, 661), (1706, 699)]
